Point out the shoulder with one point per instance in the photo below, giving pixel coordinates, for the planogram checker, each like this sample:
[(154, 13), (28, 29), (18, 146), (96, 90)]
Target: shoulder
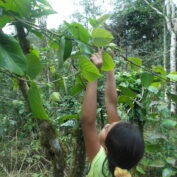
[(97, 163)]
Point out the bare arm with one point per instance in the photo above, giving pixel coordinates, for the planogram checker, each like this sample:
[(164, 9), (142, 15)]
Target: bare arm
[(111, 97), (88, 117)]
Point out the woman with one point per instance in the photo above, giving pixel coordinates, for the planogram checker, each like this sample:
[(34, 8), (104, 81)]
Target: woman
[(119, 146)]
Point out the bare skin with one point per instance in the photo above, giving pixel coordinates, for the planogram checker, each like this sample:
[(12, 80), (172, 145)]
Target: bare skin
[(93, 139)]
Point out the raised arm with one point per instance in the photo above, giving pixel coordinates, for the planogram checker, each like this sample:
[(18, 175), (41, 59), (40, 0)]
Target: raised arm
[(111, 97), (88, 117)]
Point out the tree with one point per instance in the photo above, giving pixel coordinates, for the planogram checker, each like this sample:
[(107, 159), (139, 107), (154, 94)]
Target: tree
[(171, 23)]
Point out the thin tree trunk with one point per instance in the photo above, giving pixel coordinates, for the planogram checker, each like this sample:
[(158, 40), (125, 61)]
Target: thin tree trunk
[(48, 133), (165, 53), (173, 67)]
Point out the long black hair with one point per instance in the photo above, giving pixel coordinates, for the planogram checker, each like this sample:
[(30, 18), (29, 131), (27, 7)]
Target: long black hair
[(125, 146)]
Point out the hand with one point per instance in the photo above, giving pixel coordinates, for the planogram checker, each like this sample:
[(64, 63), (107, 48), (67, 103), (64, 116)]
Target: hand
[(97, 59)]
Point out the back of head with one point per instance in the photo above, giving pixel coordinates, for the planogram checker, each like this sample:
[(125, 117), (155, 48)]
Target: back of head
[(125, 147)]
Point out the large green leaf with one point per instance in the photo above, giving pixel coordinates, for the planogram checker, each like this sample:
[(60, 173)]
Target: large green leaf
[(88, 69), (128, 92), (34, 66), (36, 103), (146, 79), (108, 63), (11, 55), (22, 7), (65, 49), (101, 37), (126, 99), (68, 48), (79, 31), (135, 62)]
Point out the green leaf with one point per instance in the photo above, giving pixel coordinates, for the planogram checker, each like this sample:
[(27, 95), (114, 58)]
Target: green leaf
[(93, 22), (158, 69), (97, 22), (157, 163), (146, 79), (153, 89), (11, 55), (76, 89), (136, 61), (172, 97), (36, 103), (156, 84), (65, 49), (126, 91), (85, 49), (4, 19), (126, 99), (22, 7), (61, 52), (140, 170), (45, 2), (168, 172), (169, 123), (62, 83), (101, 37), (68, 49), (68, 117), (152, 147), (102, 19), (34, 66), (108, 63), (88, 69), (172, 76), (79, 32), (171, 161)]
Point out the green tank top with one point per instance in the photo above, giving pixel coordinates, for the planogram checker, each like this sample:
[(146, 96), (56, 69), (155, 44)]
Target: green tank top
[(97, 164)]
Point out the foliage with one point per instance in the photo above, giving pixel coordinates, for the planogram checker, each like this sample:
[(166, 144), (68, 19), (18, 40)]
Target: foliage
[(57, 71)]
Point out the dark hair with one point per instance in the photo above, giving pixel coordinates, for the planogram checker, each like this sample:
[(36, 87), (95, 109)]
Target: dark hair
[(125, 146)]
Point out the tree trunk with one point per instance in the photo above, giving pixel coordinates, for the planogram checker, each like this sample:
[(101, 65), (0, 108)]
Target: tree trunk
[(165, 52), (173, 67), (48, 133)]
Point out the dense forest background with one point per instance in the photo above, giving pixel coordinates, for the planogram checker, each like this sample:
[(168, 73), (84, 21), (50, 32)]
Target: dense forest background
[(43, 75)]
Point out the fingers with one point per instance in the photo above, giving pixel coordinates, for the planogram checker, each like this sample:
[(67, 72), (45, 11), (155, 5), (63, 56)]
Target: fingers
[(97, 59)]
